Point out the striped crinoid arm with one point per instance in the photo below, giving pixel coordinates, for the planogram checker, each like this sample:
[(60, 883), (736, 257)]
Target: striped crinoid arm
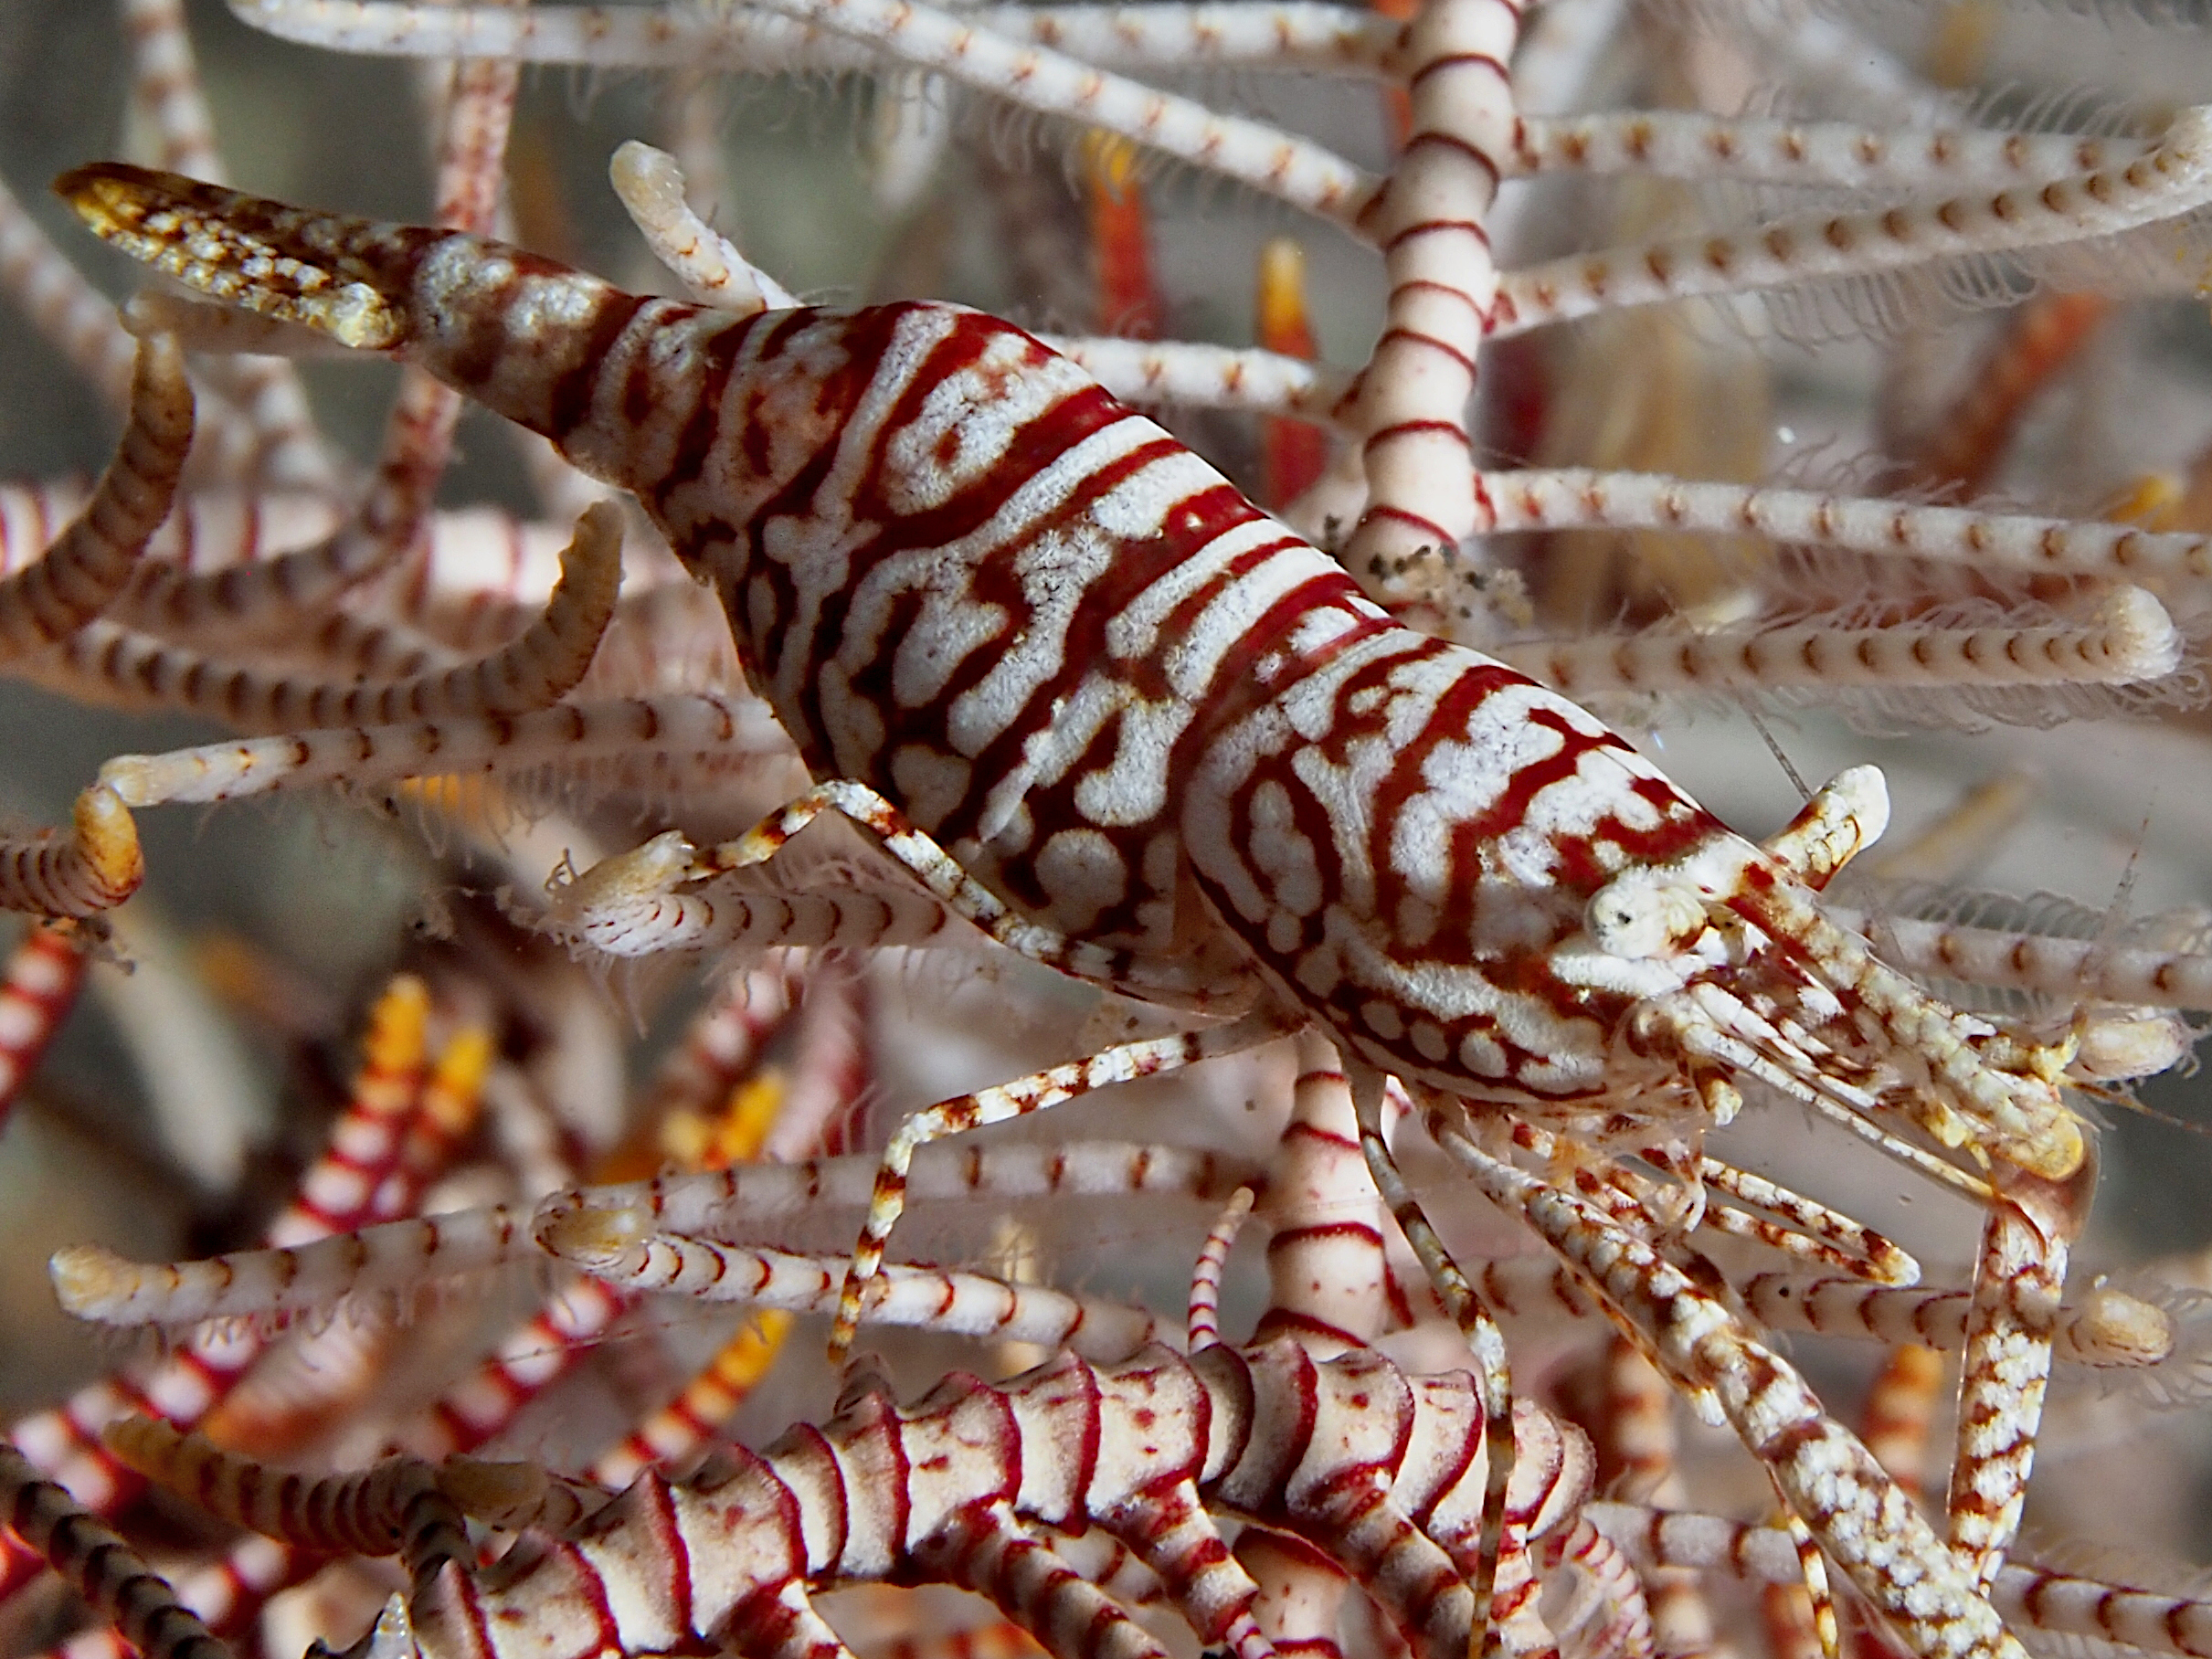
[(1193, 377), (393, 1507), (2040, 1601), (1409, 408), (977, 1471), (699, 1414), (723, 1203), (96, 863), (1634, 1434), (713, 1106), (936, 1299), (570, 735), (223, 1594), (2118, 973), (390, 1260), (1040, 61), (1899, 1420), (398, 1259), (110, 1576), (32, 515), (2109, 1327), (2107, 196), (61, 305), (38, 987), (2000, 543), (2128, 640), (89, 562), (337, 1192), (485, 571), (92, 866), (1327, 1271), (103, 662), (721, 1046)]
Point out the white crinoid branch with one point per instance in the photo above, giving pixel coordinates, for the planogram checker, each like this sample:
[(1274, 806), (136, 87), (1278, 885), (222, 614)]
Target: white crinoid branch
[(398, 1259)]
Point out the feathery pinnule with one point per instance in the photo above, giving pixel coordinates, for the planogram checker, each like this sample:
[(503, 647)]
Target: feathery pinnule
[(2092, 195), (2128, 639)]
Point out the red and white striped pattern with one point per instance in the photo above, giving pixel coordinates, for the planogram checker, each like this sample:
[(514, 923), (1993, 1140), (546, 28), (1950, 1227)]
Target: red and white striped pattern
[(38, 989), (110, 1576), (1381, 1472)]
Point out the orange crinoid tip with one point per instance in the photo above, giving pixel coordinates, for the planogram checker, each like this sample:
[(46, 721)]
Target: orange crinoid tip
[(107, 840)]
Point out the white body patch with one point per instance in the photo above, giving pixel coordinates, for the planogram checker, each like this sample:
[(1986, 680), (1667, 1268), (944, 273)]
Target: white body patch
[(969, 421)]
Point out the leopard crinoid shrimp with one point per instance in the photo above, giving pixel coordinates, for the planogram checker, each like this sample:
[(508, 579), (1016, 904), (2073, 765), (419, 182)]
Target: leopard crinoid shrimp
[(1096, 707), (1099, 704)]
